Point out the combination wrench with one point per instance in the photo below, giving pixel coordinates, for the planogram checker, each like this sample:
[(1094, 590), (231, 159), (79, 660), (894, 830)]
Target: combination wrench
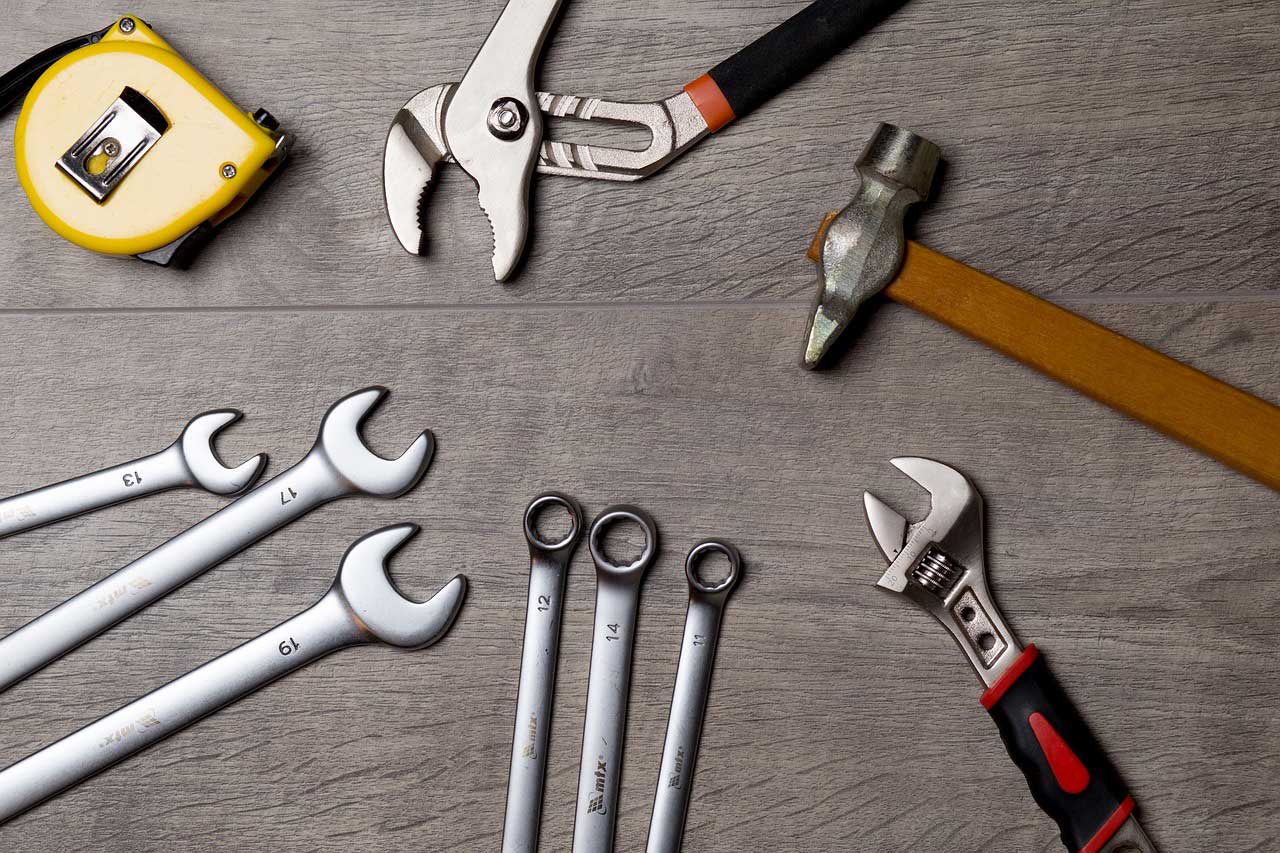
[(190, 461), (548, 572), (617, 602), (338, 466), (362, 606), (689, 698)]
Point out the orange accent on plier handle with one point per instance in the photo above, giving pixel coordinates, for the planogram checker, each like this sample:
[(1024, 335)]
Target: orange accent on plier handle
[(711, 102)]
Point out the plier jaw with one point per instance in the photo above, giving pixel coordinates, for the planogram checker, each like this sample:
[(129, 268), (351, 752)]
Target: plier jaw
[(491, 123), (415, 147)]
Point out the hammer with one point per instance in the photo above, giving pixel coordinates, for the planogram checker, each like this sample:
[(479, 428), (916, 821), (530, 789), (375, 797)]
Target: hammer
[(862, 251)]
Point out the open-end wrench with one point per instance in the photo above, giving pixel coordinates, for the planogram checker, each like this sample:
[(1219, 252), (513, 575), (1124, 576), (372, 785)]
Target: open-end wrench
[(617, 602), (362, 606), (189, 461), (548, 571), (940, 564), (338, 466), (689, 699)]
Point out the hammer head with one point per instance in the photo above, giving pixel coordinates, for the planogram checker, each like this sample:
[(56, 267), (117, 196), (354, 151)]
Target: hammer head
[(863, 245)]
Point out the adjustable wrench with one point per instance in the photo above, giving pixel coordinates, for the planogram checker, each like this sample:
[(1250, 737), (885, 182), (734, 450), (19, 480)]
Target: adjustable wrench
[(362, 606), (689, 699), (338, 466), (189, 461), (548, 571), (617, 601), (940, 564)]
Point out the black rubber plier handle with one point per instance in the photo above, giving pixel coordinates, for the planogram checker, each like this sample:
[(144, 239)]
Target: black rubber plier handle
[(782, 56)]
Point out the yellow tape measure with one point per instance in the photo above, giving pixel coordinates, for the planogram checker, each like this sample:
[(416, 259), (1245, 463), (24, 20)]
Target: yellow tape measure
[(125, 149)]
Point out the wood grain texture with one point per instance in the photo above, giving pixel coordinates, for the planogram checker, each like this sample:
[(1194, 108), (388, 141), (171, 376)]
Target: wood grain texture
[(1094, 151), (840, 718), (1115, 157)]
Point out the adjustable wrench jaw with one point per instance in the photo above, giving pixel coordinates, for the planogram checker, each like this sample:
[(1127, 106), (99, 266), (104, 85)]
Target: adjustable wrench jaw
[(939, 563)]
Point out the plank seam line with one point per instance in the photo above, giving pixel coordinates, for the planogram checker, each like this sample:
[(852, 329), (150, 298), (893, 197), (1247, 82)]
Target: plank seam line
[(595, 305)]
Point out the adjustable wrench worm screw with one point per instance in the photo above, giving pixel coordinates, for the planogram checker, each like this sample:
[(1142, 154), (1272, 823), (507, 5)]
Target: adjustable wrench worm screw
[(548, 572), (362, 606), (617, 603), (689, 698)]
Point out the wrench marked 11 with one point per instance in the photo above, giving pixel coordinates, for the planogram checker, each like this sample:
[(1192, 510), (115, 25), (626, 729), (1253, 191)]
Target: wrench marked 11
[(689, 697)]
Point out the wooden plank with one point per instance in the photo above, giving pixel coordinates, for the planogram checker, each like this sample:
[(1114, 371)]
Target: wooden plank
[(840, 718), (1093, 151)]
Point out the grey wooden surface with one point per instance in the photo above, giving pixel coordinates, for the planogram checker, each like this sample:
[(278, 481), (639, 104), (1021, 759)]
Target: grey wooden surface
[(1118, 158)]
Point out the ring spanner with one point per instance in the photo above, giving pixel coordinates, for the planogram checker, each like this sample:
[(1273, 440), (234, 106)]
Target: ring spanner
[(689, 699), (362, 606), (190, 461), (548, 571), (617, 602), (338, 466), (940, 564)]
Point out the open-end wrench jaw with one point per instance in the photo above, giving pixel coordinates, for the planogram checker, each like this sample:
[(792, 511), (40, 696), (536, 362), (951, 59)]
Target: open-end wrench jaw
[(939, 562), (386, 614), (341, 442), (202, 460)]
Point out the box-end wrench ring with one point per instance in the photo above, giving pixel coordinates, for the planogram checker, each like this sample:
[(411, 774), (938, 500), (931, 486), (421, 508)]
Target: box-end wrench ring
[(362, 606), (617, 602), (190, 461), (548, 571), (689, 698)]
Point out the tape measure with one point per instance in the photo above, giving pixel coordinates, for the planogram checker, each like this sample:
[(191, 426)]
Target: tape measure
[(125, 149)]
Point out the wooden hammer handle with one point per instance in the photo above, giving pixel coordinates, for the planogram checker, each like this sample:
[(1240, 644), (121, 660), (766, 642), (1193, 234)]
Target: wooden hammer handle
[(1236, 428)]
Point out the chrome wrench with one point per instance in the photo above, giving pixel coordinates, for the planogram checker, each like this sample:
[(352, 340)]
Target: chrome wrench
[(689, 698), (190, 461), (338, 466), (362, 606), (548, 571), (617, 602)]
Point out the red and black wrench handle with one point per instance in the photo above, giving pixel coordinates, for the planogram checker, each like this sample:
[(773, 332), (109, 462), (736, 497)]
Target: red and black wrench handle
[(1069, 775), (782, 56)]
